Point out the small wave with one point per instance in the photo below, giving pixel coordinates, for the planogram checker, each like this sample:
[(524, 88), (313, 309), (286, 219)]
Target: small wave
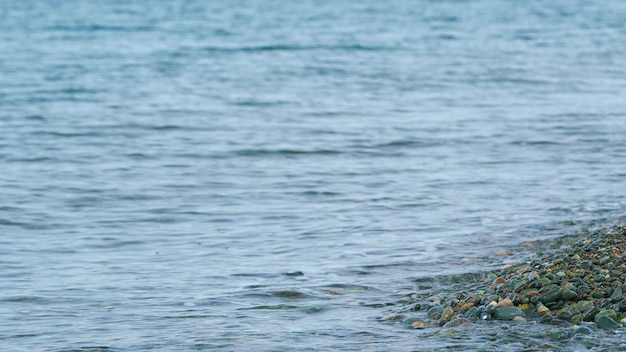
[(67, 134), (288, 47), (99, 28), (407, 143), (285, 152), (534, 143), (6, 222)]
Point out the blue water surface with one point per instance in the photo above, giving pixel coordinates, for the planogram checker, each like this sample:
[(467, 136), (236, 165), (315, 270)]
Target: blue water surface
[(270, 175)]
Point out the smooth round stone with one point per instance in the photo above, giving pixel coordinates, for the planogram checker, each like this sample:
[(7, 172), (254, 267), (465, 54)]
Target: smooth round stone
[(447, 315), (599, 278), (504, 303), (557, 321), (604, 322), (471, 313), (577, 318), (590, 313), (435, 312), (583, 330), (410, 320), (568, 295), (491, 307), (551, 296), (598, 294), (617, 295), (565, 315), (456, 322), (507, 313), (558, 334), (606, 313), (541, 309)]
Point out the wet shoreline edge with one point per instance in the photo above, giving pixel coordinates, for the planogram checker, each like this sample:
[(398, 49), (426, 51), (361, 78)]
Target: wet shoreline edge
[(575, 281)]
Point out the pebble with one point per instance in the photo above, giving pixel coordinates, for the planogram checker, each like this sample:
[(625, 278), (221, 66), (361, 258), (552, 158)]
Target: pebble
[(435, 312), (447, 315), (574, 279), (457, 322), (604, 322), (568, 294), (541, 309), (504, 303), (507, 313), (552, 295), (605, 313), (582, 330), (419, 325)]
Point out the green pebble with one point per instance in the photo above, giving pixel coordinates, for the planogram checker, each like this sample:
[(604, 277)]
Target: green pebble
[(543, 282), (577, 318), (583, 330), (435, 312), (471, 313), (617, 295), (606, 313), (456, 322), (581, 305), (568, 294), (507, 313), (447, 315), (598, 294), (604, 322), (410, 320), (558, 334), (551, 296)]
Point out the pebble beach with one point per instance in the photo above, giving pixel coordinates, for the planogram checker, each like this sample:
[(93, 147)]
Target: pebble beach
[(575, 282)]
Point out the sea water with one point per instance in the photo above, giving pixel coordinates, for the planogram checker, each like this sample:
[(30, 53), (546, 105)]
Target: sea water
[(274, 175)]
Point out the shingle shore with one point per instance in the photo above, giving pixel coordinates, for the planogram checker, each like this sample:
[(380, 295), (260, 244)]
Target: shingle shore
[(582, 283)]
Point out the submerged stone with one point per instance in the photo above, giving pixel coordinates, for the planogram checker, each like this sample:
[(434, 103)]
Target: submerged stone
[(447, 315), (582, 330), (604, 322), (457, 322), (435, 312), (507, 313), (605, 313)]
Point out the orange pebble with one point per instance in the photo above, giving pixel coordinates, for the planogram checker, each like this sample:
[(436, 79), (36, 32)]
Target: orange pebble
[(467, 306), (419, 325), (499, 281)]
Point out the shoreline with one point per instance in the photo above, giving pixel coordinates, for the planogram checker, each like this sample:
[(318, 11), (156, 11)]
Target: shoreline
[(578, 281)]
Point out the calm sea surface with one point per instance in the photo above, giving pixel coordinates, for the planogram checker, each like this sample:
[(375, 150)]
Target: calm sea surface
[(275, 175)]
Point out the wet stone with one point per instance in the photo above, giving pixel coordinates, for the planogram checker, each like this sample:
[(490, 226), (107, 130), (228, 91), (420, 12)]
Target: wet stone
[(617, 295), (568, 294), (457, 322), (435, 312), (582, 330), (557, 322), (606, 313), (604, 322), (564, 284), (541, 309), (447, 315), (565, 316), (551, 296), (590, 313), (471, 313), (507, 313)]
